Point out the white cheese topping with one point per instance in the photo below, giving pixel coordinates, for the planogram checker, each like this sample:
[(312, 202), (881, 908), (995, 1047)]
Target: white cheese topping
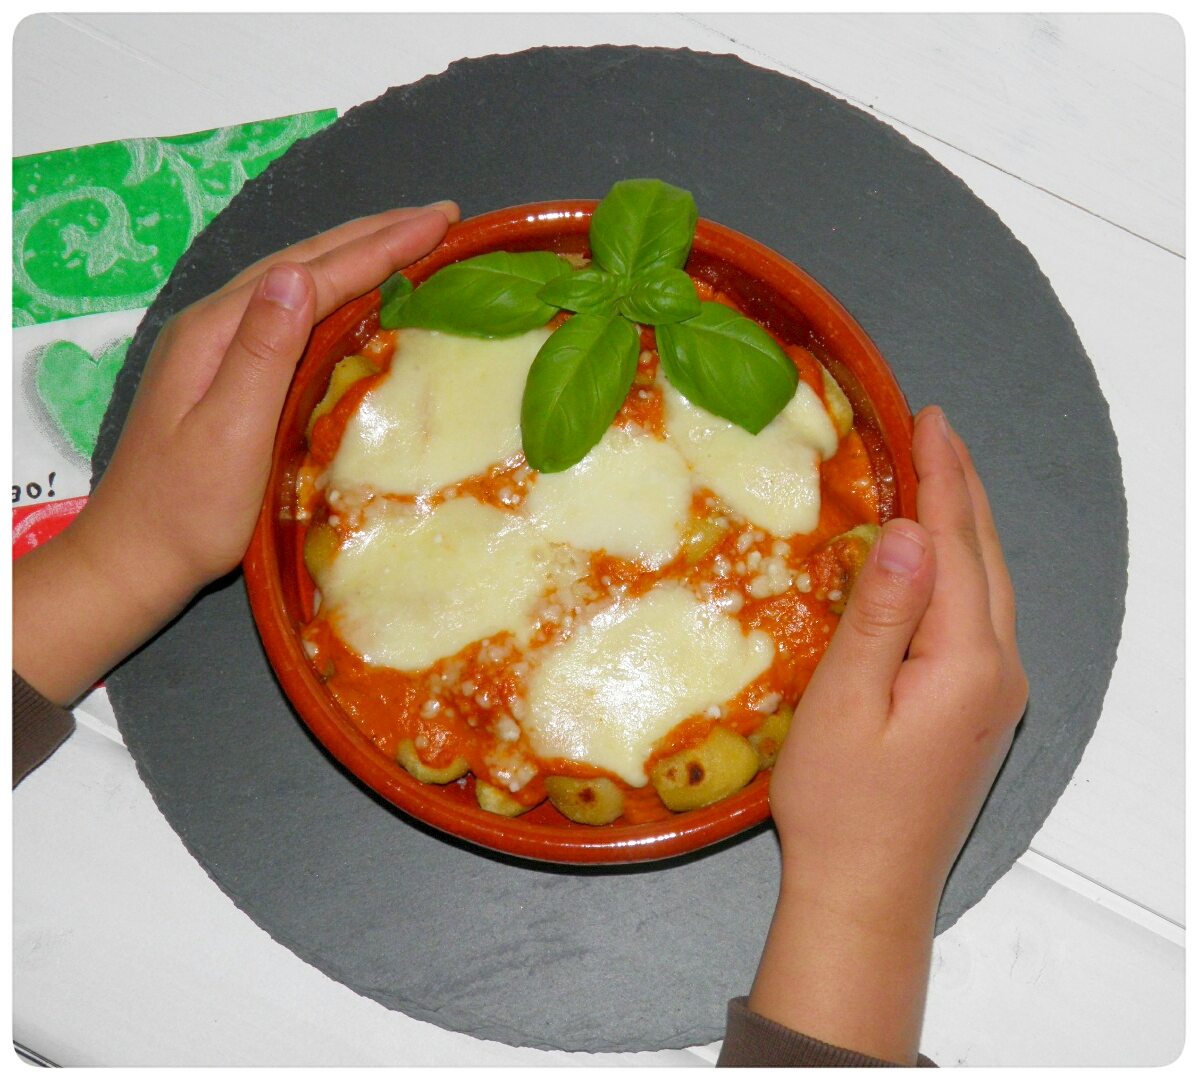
[(630, 496), (771, 478), (638, 669), (449, 408), (410, 587)]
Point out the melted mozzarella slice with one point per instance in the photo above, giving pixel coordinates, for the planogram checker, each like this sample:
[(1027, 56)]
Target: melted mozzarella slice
[(449, 408), (630, 496), (633, 673), (410, 587), (771, 478)]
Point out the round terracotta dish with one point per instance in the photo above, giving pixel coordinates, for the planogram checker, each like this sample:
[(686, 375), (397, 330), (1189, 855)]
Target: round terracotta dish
[(776, 293)]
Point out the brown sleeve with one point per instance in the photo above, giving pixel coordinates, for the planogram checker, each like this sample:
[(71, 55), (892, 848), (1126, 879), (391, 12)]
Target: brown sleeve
[(38, 728), (753, 1041)]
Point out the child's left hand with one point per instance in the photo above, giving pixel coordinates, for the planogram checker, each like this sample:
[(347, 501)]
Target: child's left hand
[(177, 505)]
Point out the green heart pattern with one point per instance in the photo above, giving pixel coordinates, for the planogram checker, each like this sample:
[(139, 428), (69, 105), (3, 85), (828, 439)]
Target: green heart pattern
[(74, 387)]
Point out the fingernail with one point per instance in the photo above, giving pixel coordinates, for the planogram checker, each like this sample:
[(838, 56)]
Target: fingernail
[(446, 207), (941, 422), (284, 285), (899, 552)]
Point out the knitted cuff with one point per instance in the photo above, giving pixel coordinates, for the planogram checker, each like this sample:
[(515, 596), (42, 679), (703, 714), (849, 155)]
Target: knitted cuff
[(751, 1040), (38, 728)]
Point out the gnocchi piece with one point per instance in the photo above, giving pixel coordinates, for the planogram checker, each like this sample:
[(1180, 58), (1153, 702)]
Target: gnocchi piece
[(320, 546), (407, 756), (767, 739), (840, 409), (701, 536), (497, 801), (851, 550), (598, 801), (723, 763), (348, 371)]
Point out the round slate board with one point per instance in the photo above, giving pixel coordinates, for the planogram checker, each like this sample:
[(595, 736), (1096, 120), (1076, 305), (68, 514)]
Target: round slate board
[(644, 958)]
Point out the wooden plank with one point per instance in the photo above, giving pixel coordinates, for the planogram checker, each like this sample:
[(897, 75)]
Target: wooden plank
[(1039, 974), (164, 74), (1088, 107)]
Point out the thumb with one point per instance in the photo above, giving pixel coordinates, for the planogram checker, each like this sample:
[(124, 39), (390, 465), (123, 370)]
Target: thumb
[(888, 600), (257, 367)]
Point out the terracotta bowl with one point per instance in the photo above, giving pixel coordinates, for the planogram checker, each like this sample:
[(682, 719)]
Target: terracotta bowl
[(768, 288)]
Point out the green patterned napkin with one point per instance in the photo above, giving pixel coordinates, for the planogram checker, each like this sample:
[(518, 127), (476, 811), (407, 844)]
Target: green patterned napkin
[(99, 228)]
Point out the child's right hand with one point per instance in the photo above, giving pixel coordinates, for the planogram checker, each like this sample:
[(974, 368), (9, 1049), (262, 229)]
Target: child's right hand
[(891, 753), (900, 734)]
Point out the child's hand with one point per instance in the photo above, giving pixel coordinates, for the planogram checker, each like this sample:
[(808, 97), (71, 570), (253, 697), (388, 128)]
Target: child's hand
[(891, 753), (900, 734), (177, 504), (191, 465)]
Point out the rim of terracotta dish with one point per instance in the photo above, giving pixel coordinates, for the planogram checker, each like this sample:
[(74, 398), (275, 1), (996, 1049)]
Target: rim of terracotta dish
[(273, 552)]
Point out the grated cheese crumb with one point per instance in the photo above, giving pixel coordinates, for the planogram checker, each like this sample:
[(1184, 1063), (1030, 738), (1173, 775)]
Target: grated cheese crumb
[(732, 602), (768, 704), (507, 729)]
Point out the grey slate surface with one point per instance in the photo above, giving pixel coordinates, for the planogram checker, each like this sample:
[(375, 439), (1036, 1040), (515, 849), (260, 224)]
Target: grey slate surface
[(639, 958)]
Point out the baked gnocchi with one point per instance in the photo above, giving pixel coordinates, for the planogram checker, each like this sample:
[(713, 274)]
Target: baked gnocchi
[(580, 546), (621, 641)]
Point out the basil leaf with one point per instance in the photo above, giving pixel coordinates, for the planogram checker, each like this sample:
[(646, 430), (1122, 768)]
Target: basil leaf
[(575, 387), (395, 292), (492, 295), (589, 290), (661, 296), (642, 225), (728, 365)]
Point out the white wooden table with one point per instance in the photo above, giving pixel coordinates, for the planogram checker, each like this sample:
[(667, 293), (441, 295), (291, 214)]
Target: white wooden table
[(1071, 129)]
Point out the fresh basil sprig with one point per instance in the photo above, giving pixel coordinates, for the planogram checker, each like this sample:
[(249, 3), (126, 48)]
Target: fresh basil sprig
[(640, 239), (643, 225), (728, 365), (394, 292), (576, 385), (664, 295), (492, 295), (589, 290)]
